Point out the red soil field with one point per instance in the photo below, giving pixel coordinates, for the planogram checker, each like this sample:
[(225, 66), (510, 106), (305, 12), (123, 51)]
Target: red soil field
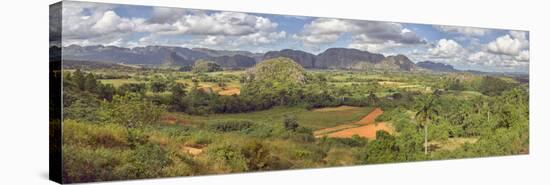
[(370, 117), (367, 129)]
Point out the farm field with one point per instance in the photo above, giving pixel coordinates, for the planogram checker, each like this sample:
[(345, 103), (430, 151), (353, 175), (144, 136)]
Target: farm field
[(365, 127), (313, 119), (209, 122)]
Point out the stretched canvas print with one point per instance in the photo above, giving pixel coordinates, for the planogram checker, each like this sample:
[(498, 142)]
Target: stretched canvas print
[(149, 92)]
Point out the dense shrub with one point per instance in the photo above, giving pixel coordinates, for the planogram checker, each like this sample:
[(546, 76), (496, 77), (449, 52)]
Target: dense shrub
[(290, 122), (138, 88), (492, 86), (92, 135), (354, 141), (201, 137), (230, 125), (252, 155), (131, 111), (260, 130), (84, 164), (146, 161), (84, 108), (228, 157), (302, 134)]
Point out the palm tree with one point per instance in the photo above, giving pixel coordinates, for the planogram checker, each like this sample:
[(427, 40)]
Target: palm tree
[(426, 115)]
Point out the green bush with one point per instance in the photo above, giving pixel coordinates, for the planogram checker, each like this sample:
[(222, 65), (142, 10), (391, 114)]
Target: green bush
[(230, 125), (146, 161), (85, 107), (201, 137), (83, 164), (302, 134), (138, 88), (493, 86), (260, 130), (252, 155), (228, 157), (354, 141), (131, 111), (290, 122), (92, 135)]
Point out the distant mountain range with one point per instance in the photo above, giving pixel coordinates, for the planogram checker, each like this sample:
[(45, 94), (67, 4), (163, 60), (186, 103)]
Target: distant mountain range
[(434, 66), (332, 58)]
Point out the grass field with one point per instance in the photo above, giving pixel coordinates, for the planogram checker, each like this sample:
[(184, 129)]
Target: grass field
[(310, 119)]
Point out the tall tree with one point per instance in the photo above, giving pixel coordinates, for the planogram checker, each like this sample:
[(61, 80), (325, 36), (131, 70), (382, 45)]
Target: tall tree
[(79, 79), (426, 115), (178, 93), (90, 83)]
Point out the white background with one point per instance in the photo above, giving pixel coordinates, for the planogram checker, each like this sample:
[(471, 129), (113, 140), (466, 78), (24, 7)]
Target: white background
[(24, 90)]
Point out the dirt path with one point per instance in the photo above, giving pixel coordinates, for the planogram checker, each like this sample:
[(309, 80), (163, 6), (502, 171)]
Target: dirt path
[(370, 117), (173, 120), (191, 150), (366, 127), (230, 91), (367, 131), (168, 119)]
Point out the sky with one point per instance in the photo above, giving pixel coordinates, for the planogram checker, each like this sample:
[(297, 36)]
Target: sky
[(483, 49)]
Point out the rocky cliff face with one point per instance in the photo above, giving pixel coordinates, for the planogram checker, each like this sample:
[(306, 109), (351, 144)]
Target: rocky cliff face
[(345, 58), (400, 62)]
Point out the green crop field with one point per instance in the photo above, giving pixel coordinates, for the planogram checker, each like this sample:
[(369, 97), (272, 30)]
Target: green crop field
[(308, 118)]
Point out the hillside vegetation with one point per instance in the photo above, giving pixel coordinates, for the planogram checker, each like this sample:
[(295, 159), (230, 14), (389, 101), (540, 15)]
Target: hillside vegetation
[(162, 122)]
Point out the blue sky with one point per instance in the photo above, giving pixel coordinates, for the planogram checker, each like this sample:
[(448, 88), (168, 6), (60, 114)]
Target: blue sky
[(135, 26)]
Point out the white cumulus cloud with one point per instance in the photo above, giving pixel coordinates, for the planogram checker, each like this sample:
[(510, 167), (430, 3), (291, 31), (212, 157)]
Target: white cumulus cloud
[(523, 56), (509, 44), (366, 35), (93, 23), (447, 48)]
